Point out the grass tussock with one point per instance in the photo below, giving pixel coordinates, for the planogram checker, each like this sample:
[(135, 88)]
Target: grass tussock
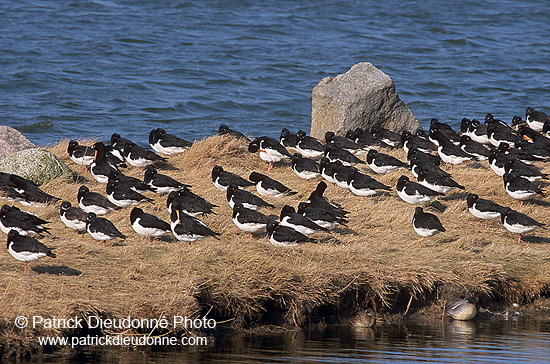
[(376, 260)]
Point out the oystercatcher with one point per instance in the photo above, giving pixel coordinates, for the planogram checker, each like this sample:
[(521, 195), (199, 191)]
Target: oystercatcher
[(304, 168), (344, 143), (269, 150), (100, 168), (527, 171), (189, 202), (474, 148), (26, 249), (320, 215), (24, 190), (288, 140), (414, 193), (73, 217), (364, 185), (123, 195), (497, 135), (335, 153), (140, 157), (449, 152), (188, 229), (327, 169), (222, 179), (289, 217), (426, 224), (249, 220), (518, 223), (134, 183), (414, 141), (94, 202), (482, 208), (383, 163), (101, 229), (520, 188), (148, 225), (437, 182), (267, 186), (161, 183), (11, 218), (225, 130), (341, 174), (80, 154), (478, 132), (285, 236), (536, 119), (308, 146), (249, 200), (387, 136), (167, 144)]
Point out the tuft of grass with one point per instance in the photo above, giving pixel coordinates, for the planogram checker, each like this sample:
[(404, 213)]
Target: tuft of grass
[(376, 260)]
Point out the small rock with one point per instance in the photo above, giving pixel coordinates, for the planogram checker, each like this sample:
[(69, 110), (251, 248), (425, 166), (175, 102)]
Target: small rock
[(362, 97), (38, 165), (12, 141)]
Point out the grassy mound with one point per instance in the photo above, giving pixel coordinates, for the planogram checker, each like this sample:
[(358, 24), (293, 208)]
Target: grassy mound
[(376, 260)]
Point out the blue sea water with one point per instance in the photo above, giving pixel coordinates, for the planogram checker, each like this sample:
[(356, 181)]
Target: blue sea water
[(86, 69)]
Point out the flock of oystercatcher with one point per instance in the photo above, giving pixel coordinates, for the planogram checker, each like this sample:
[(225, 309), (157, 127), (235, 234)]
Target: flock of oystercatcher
[(511, 151)]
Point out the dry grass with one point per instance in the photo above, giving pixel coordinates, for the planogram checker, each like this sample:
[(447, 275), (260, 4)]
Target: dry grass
[(378, 259)]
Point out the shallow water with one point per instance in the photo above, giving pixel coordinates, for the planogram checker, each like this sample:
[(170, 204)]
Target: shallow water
[(73, 69), (511, 341)]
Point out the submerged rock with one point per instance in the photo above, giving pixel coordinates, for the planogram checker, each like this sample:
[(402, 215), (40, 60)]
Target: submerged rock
[(12, 141), (35, 164), (360, 98)]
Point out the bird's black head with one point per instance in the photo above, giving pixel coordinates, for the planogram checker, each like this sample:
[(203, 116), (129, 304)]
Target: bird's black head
[(301, 134), (90, 216), (287, 209), (256, 177), (65, 205)]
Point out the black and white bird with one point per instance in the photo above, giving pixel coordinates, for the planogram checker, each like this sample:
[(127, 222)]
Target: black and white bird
[(25, 191), (426, 224), (364, 185), (365, 139), (288, 140), (496, 161), (25, 223), (518, 223), (134, 183), (94, 202), (284, 236), (140, 157), (73, 217), (161, 183), (249, 200), (26, 248), (443, 128), (327, 169), (341, 174), (498, 134), (527, 171), (532, 151), (117, 145), (465, 125), (478, 132), (318, 200), (448, 151), (100, 168), (225, 130), (267, 186), (289, 217), (335, 153), (437, 182), (320, 215), (414, 193), (189, 229), (269, 150), (387, 136), (101, 229), (421, 161), (80, 154), (474, 148), (189, 202), (344, 143), (167, 144), (123, 195), (251, 221), (148, 225), (536, 119), (409, 141), (383, 163), (520, 188), (483, 208), (304, 168), (309, 146), (222, 179)]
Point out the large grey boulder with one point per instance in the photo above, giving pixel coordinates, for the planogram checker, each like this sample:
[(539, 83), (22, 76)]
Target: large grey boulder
[(362, 97), (38, 165), (11, 141)]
